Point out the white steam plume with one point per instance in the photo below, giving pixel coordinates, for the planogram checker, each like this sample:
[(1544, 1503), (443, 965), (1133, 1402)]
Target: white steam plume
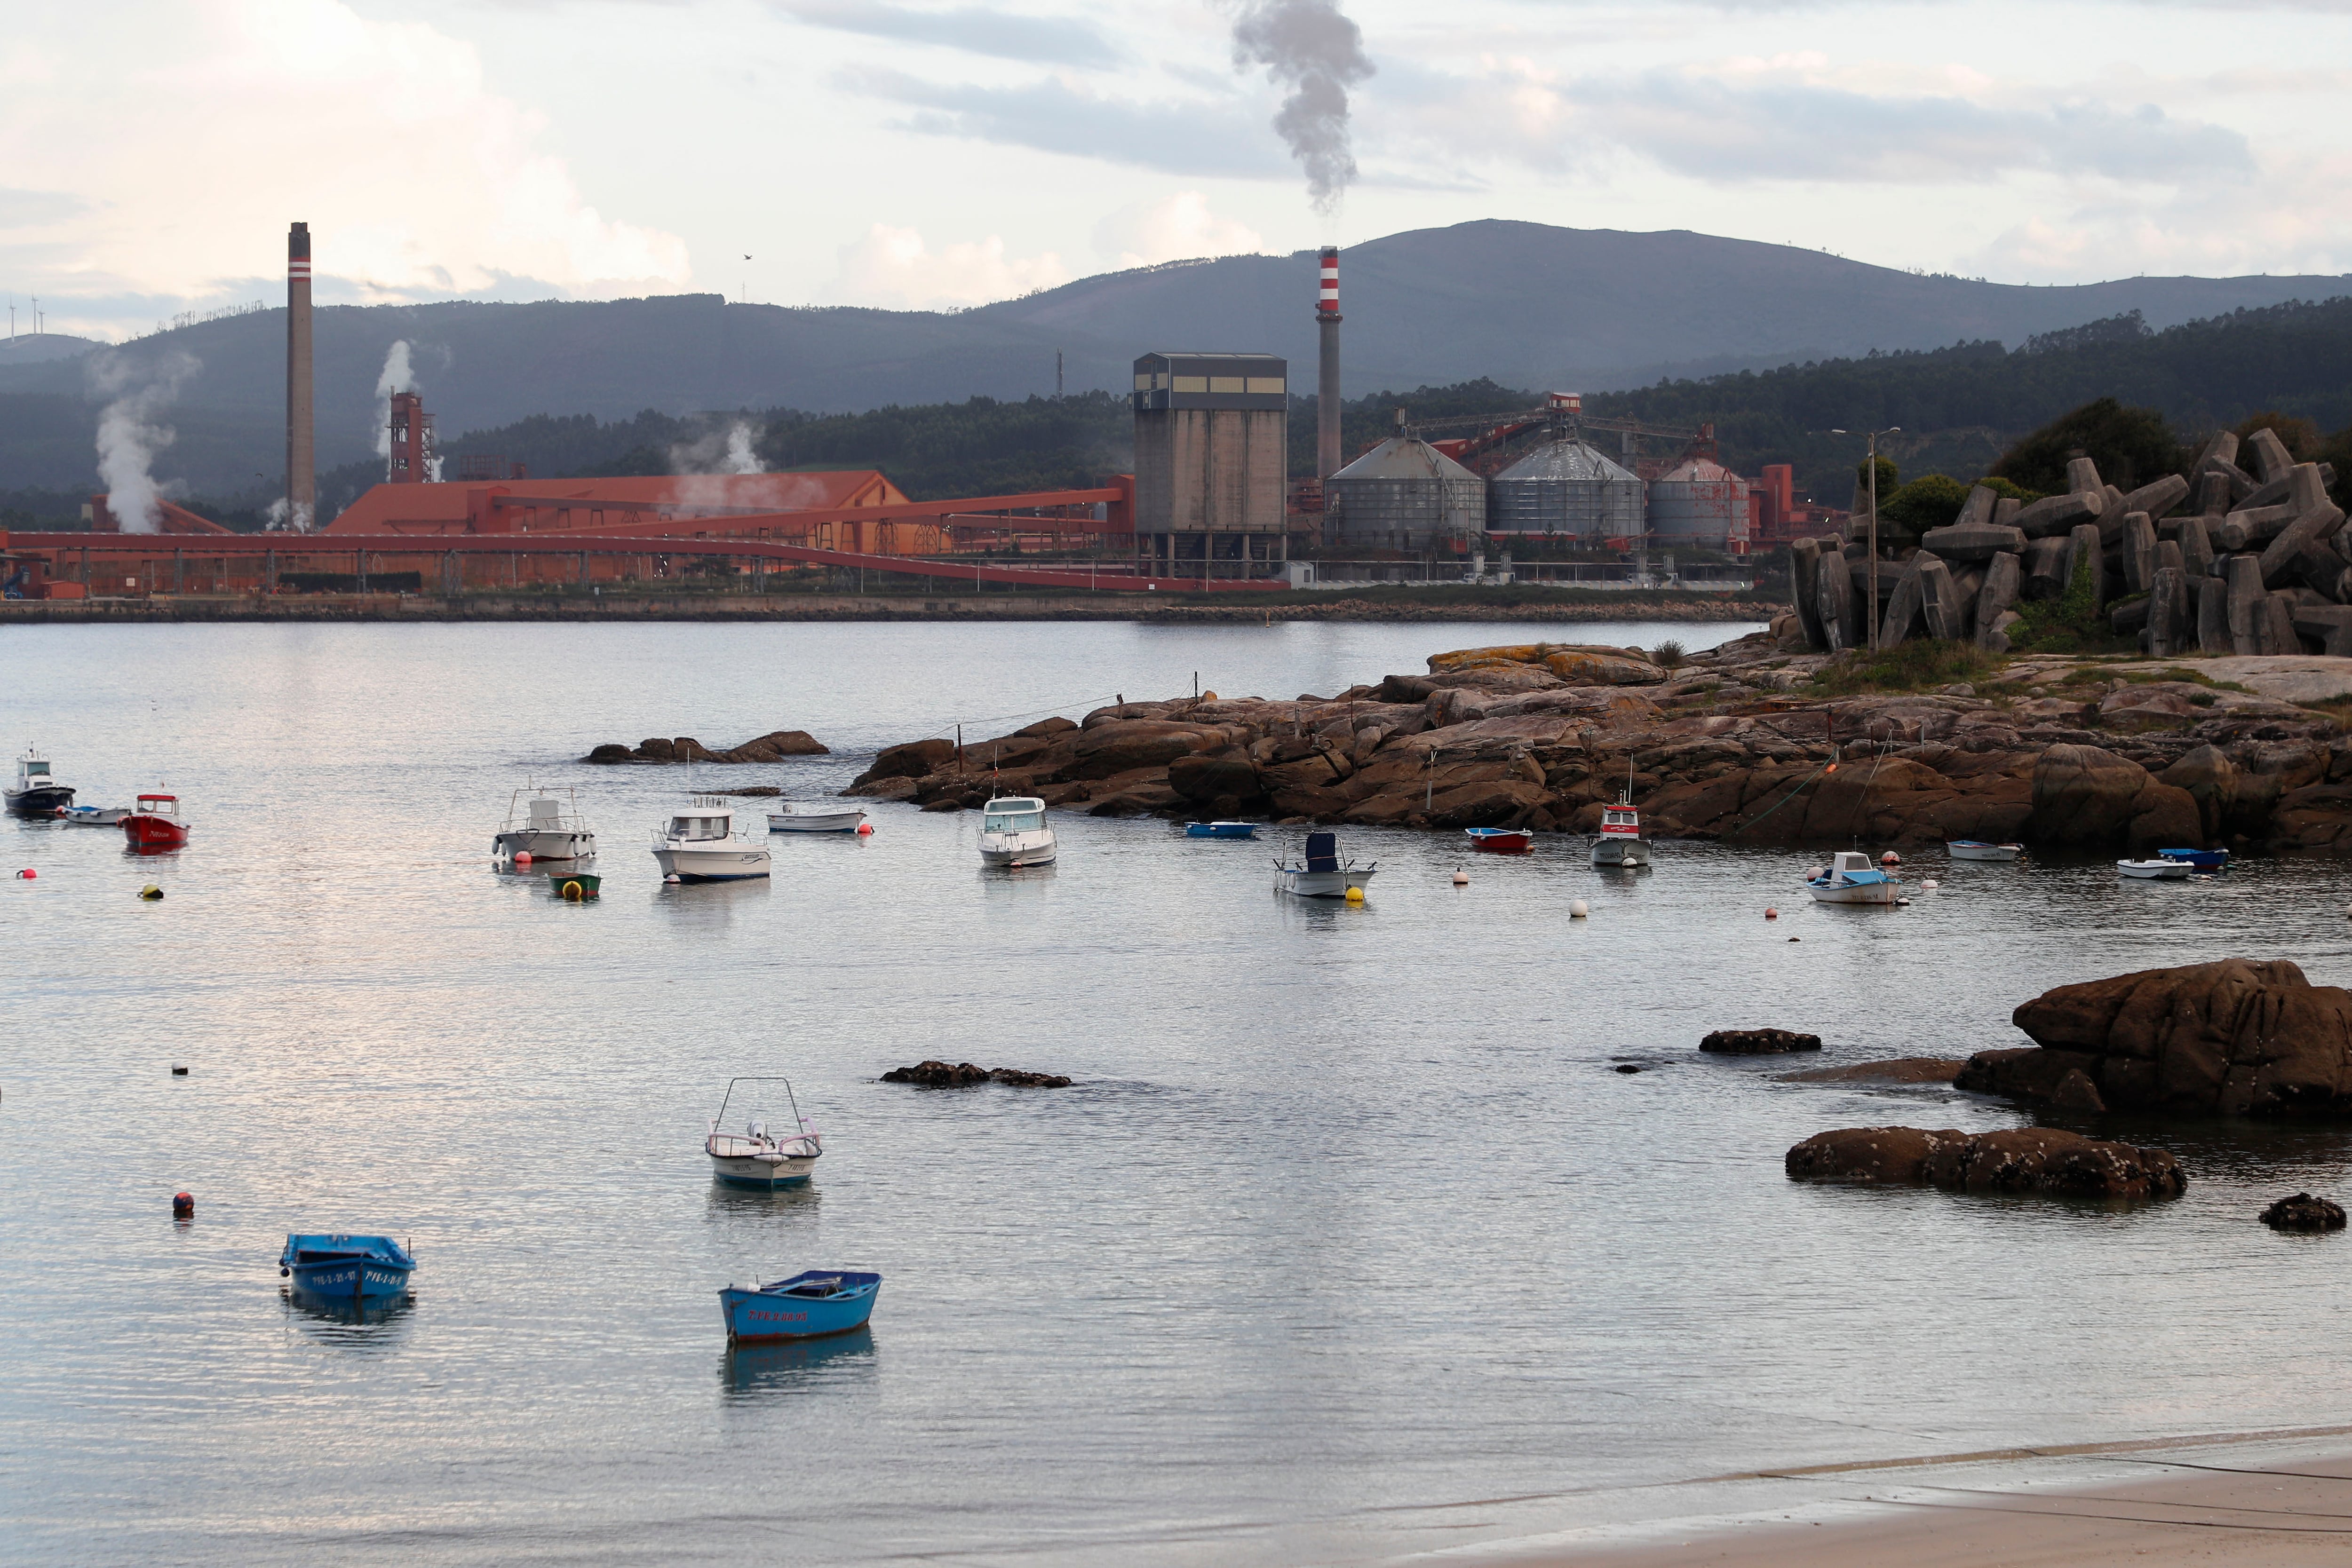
[(720, 452), (395, 377), (129, 438), (1310, 47)]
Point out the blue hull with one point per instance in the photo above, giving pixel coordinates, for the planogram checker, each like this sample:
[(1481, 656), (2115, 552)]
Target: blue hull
[(1221, 831), (347, 1267), (2203, 860), (755, 1317)]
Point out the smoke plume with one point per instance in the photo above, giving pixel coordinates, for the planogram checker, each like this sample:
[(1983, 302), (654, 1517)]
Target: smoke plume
[(129, 438), (720, 452), (1309, 48), (396, 377)]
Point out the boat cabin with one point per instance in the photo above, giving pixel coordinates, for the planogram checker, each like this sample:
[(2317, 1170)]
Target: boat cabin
[(31, 768), (545, 814), (1622, 820), (701, 823), (1013, 814), (157, 805)]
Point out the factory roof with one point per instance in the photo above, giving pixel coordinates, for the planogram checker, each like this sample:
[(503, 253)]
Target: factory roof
[(1406, 457), (568, 504), (1565, 460)]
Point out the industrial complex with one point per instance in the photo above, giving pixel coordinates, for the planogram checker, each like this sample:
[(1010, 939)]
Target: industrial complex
[(1211, 506)]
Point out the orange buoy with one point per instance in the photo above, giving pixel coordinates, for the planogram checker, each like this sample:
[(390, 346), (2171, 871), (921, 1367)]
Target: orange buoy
[(183, 1206), (865, 829), (522, 857), (1771, 915)]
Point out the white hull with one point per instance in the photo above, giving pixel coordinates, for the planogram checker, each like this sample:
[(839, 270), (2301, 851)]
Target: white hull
[(1863, 893), (1620, 851), (1321, 884), (1984, 851), (815, 821), (94, 816), (546, 844), (2157, 871), (762, 1170), (724, 859), (1012, 850)]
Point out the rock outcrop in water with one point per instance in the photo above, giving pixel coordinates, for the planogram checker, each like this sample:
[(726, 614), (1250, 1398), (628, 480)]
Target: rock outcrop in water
[(953, 1076), (771, 746), (2029, 1159), (1759, 1042), (2235, 1037), (1728, 745), (2303, 1212)]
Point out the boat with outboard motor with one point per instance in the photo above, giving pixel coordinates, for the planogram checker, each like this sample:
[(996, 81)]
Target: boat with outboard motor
[(155, 823), (34, 792), (759, 1157), (1013, 834), (1850, 878), (1320, 873), (796, 818), (699, 844), (812, 1303), (338, 1267), (546, 827), (92, 816), (1973, 849), (2157, 869)]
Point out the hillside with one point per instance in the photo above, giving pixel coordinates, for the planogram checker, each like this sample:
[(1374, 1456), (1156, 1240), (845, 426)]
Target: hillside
[(1524, 304)]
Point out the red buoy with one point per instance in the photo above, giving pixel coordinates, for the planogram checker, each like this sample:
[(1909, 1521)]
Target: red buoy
[(1771, 915), (865, 829), (27, 874), (183, 1206), (522, 857)]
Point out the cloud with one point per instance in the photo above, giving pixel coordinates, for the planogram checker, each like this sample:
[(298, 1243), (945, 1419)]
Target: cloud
[(1175, 228), (1743, 121), (32, 209), (895, 268), (975, 29), (414, 172), (2291, 220), (1180, 138)]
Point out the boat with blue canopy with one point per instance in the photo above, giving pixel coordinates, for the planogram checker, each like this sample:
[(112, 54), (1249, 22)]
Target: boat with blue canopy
[(2200, 860), (1221, 830), (1850, 878), (339, 1267), (814, 1303), (1320, 873)]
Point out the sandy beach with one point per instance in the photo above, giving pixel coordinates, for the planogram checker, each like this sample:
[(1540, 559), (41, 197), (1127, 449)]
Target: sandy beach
[(2261, 1497)]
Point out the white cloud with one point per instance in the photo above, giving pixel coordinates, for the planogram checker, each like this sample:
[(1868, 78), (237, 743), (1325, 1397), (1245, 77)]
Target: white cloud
[(895, 268), (1174, 228), (215, 124)]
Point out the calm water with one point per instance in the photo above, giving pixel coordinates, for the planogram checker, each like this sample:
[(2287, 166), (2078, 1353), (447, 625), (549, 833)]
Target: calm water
[(1347, 1216)]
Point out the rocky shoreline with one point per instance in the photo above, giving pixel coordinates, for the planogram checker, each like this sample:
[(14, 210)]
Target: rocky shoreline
[(1741, 744)]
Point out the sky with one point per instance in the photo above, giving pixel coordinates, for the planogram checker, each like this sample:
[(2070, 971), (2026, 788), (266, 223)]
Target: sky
[(914, 154)]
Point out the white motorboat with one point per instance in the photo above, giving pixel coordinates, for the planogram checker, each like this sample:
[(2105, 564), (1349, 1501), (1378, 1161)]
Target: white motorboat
[(34, 792), (1850, 878), (1619, 840), (796, 818), (1013, 832), (92, 816), (2156, 870), (760, 1158), (1972, 849), (547, 826), (700, 845), (1320, 873)]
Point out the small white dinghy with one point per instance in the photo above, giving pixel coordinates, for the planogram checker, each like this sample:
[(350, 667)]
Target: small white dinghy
[(797, 818), (1850, 878), (758, 1157), (2157, 869), (1971, 850), (92, 816), (1321, 872)]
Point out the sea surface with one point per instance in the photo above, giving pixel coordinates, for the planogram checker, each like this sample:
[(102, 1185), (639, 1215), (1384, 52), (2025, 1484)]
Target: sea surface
[(1349, 1241)]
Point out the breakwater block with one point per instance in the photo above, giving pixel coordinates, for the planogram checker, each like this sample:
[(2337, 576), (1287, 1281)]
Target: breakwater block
[(2303, 1212), (1759, 1042)]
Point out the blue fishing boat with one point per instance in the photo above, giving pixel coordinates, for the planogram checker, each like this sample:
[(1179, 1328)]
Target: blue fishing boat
[(348, 1267), (819, 1301), (2201, 860), (1221, 830)]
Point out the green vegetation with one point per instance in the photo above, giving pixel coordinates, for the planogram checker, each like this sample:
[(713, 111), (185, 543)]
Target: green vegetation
[(2070, 623), (1668, 654), (1916, 665), (2131, 447)]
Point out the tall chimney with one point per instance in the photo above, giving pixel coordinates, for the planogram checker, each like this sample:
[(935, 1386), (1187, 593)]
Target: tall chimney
[(1326, 389), (302, 468)]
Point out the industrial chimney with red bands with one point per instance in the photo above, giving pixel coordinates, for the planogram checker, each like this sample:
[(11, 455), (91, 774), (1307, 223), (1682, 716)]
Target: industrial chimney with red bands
[(1327, 389), (301, 473)]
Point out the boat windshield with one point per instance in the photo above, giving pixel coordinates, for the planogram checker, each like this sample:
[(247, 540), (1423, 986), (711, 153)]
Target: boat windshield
[(1013, 822), (698, 826), (36, 770)]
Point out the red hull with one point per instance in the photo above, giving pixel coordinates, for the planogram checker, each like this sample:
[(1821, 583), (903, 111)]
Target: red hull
[(153, 833), (1503, 843)]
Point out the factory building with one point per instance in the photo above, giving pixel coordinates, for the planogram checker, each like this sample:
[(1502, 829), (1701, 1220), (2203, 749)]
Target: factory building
[(1701, 504), (1566, 489), (1212, 434), (1404, 495)]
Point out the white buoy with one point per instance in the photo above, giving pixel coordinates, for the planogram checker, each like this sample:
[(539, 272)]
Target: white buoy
[(1890, 858), (1461, 879), (1577, 911), (1931, 882)]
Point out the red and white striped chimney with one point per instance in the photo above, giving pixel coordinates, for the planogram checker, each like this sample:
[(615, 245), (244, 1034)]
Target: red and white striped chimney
[(301, 469), (1327, 388)]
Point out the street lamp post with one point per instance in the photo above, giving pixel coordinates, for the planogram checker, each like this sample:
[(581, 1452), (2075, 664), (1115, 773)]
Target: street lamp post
[(1890, 430)]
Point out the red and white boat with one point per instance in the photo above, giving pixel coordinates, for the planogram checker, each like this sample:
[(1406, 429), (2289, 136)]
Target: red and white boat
[(155, 823), (1619, 840)]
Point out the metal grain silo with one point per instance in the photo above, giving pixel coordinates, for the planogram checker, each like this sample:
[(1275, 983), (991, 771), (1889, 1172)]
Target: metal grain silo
[(1565, 487), (1404, 494), (1698, 503)]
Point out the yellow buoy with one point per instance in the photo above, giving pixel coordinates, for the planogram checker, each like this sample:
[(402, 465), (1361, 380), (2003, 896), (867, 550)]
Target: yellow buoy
[(572, 891), (151, 892), (1355, 896)]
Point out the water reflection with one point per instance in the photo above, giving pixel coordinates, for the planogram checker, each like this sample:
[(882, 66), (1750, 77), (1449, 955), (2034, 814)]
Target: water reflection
[(732, 1201), (340, 1321), (751, 1372)]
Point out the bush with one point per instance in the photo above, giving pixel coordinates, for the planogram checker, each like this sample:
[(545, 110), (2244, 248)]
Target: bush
[(2131, 447), (1931, 501), (2301, 437), (1916, 665), (1888, 476), (1667, 655), (2070, 623)]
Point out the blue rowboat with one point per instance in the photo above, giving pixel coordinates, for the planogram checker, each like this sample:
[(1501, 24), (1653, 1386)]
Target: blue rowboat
[(819, 1301), (2203, 860), (1221, 831), (347, 1267)]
